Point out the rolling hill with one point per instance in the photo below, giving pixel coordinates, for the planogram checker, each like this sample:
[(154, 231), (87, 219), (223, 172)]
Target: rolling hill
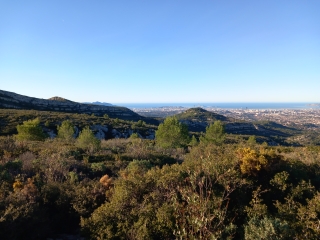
[(10, 100), (197, 119)]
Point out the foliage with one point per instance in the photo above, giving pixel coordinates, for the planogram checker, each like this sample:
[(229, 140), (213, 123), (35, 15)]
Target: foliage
[(266, 228), (66, 131), (252, 140), (10, 118), (301, 212), (89, 195), (200, 114), (172, 134), (30, 130), (215, 133), (87, 140), (141, 123), (106, 181), (134, 189), (134, 210), (194, 141), (134, 136), (252, 161)]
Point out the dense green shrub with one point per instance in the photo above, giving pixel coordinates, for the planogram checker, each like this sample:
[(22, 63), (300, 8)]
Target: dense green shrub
[(30, 130)]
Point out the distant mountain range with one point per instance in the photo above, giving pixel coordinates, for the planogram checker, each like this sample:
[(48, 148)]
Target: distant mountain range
[(12, 100), (99, 103)]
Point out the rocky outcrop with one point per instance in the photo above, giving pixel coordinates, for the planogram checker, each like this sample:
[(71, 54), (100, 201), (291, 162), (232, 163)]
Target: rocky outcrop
[(100, 131), (195, 125), (16, 101)]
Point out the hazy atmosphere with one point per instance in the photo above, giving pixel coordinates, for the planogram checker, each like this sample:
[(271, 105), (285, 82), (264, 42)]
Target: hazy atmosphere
[(161, 51)]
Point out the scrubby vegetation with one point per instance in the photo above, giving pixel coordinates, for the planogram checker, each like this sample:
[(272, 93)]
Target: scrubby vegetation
[(50, 121), (173, 187)]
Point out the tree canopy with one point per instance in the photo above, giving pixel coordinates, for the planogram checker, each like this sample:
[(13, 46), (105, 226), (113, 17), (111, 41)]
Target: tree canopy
[(215, 133), (87, 140), (30, 130), (172, 133), (66, 131)]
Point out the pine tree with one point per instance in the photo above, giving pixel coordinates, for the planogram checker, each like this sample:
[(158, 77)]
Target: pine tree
[(66, 131), (172, 133), (30, 130), (87, 140), (215, 133)]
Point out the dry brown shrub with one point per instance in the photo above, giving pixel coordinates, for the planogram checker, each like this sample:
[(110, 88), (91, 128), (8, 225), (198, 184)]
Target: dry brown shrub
[(30, 190), (106, 181), (17, 185), (27, 159), (117, 145), (7, 143), (138, 149)]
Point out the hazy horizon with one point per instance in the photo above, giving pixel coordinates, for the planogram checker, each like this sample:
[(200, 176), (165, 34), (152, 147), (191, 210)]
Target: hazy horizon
[(172, 103), (229, 105)]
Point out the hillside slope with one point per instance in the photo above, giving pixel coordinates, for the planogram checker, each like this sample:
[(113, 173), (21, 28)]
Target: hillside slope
[(198, 119), (103, 127), (10, 100)]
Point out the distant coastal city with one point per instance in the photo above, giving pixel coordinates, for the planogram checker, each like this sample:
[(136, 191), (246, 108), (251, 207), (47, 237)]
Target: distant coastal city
[(306, 116), (240, 105)]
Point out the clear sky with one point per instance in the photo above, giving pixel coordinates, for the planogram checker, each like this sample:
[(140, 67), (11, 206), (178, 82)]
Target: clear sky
[(162, 50)]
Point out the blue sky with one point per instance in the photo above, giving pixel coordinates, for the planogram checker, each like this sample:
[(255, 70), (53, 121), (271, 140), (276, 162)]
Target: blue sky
[(162, 51)]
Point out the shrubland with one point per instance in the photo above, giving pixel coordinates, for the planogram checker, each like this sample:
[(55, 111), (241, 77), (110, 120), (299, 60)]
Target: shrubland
[(136, 188), (50, 121)]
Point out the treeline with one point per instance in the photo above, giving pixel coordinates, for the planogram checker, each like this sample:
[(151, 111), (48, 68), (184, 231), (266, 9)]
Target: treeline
[(174, 187)]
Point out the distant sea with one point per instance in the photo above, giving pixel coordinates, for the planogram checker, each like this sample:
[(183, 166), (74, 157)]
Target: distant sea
[(224, 105)]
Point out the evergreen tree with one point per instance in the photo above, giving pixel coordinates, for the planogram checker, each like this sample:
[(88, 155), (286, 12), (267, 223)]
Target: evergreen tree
[(215, 133), (66, 131), (30, 130), (194, 141), (252, 140), (172, 133), (87, 140)]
